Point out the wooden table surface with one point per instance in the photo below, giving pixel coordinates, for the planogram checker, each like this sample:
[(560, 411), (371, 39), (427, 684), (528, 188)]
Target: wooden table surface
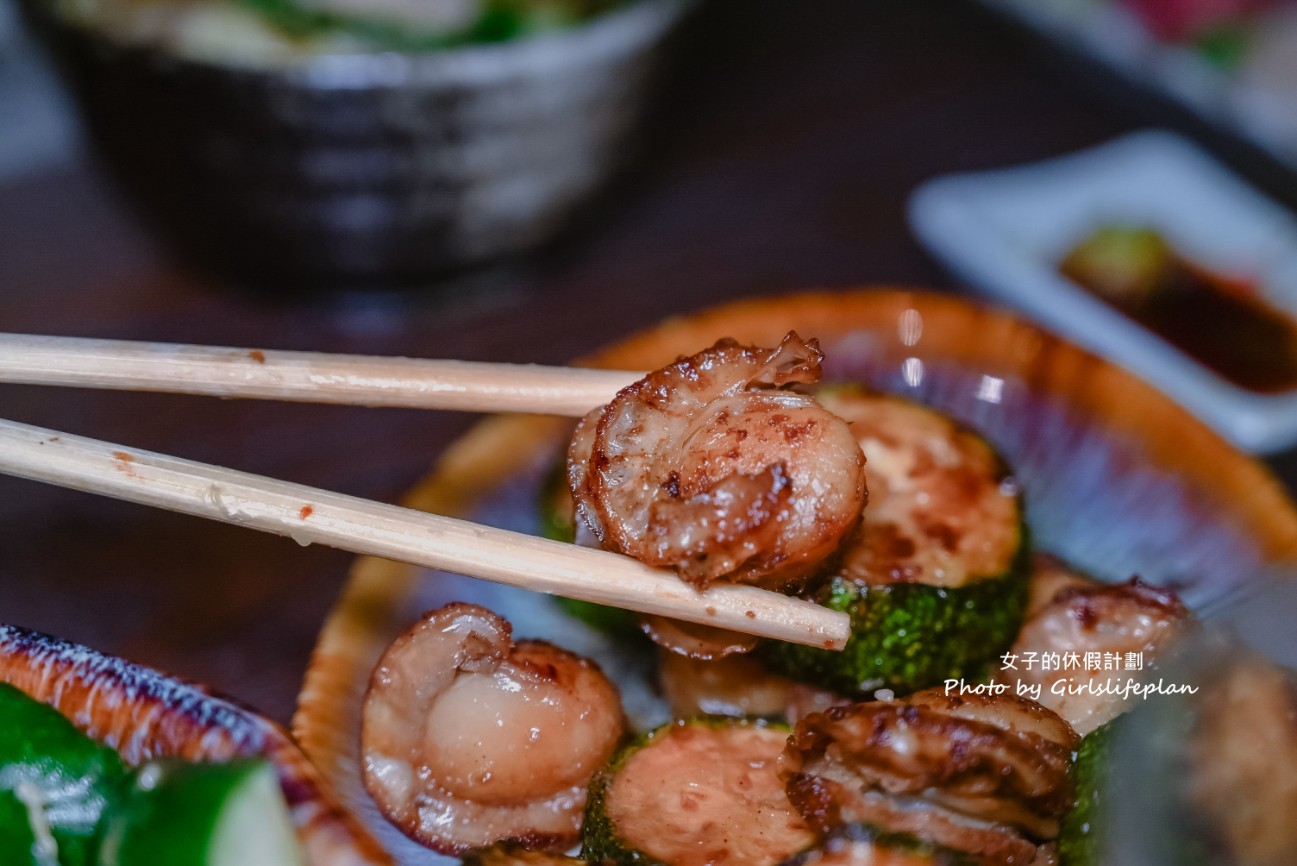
[(788, 139)]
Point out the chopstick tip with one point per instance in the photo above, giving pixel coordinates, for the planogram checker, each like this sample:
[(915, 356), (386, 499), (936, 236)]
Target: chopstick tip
[(837, 632)]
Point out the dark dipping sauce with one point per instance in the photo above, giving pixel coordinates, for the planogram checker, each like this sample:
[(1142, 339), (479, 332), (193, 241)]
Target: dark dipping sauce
[(1216, 320)]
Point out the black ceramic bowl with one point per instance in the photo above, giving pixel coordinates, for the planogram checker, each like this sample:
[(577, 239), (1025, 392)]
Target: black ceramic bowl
[(364, 169)]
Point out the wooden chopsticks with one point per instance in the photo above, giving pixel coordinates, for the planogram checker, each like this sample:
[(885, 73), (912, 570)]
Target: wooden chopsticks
[(350, 523), (308, 377), (312, 516)]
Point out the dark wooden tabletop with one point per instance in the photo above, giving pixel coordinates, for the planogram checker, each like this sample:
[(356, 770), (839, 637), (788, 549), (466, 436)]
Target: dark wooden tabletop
[(787, 140)]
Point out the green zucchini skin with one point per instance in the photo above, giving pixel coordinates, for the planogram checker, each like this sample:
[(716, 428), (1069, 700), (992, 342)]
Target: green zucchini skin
[(612, 621), (909, 636), (75, 779), (1080, 835), (602, 842), (556, 524), (554, 503)]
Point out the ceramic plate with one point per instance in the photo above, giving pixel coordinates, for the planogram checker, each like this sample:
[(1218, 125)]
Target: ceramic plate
[(1118, 478)]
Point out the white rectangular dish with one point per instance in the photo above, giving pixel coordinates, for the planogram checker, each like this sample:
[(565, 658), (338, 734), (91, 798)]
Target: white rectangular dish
[(1005, 231)]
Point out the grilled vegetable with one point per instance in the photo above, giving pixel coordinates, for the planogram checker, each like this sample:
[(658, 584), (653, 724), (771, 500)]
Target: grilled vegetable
[(935, 580), (1080, 840), (692, 793), (558, 522), (909, 636), (201, 815)]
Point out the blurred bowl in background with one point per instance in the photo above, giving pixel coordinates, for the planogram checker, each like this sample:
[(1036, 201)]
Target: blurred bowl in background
[(361, 169)]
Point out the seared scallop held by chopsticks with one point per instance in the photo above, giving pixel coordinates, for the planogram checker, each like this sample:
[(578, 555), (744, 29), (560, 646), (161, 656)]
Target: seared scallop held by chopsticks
[(714, 467)]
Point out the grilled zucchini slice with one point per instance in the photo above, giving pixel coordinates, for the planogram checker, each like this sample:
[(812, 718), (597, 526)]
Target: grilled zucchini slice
[(1080, 834), (558, 523), (935, 579), (694, 792)]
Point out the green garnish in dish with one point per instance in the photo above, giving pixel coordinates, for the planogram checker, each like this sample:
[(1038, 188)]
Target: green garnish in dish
[(1124, 264), (1224, 320)]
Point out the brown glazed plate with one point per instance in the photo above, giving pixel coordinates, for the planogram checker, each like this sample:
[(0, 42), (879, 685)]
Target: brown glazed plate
[(145, 714), (1119, 481)]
